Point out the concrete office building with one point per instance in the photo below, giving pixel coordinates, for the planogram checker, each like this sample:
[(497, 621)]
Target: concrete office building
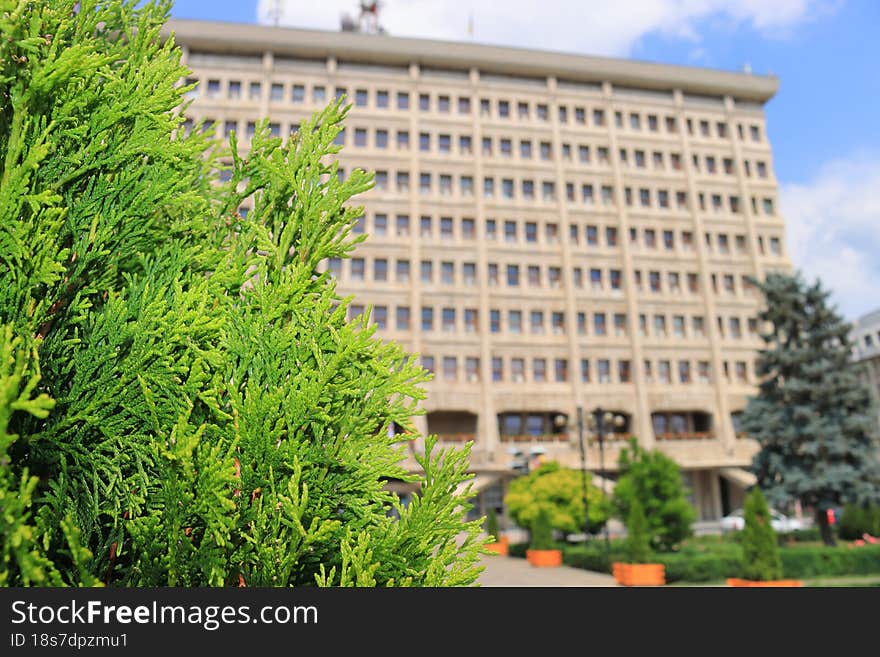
[(866, 351), (548, 231)]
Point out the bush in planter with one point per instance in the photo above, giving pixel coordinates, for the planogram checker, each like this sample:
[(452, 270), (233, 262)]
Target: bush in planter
[(761, 560), (655, 480)]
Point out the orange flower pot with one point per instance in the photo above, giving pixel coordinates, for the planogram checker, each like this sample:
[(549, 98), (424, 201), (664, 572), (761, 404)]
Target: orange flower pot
[(735, 581), (501, 546), (544, 558), (639, 574)]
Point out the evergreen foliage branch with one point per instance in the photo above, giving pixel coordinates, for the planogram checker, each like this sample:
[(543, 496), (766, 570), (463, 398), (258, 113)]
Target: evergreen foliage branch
[(217, 419)]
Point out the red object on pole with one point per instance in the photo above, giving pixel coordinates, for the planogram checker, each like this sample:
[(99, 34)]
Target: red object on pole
[(830, 515)]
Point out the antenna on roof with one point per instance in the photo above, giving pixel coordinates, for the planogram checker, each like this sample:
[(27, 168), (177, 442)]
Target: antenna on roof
[(274, 13), (367, 21), (747, 68), (470, 29)]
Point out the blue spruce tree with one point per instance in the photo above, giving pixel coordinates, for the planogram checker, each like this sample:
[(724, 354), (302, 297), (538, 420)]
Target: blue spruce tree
[(812, 416)]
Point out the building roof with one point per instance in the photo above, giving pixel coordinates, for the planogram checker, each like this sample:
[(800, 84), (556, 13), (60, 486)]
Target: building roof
[(217, 36)]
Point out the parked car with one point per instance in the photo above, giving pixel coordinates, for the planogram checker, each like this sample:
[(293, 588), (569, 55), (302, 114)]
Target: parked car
[(779, 521)]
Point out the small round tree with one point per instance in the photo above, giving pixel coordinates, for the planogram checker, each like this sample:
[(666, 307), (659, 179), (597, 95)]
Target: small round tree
[(761, 560), (558, 491)]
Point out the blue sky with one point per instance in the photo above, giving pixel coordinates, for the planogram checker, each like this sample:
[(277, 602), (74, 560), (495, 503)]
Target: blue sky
[(824, 124)]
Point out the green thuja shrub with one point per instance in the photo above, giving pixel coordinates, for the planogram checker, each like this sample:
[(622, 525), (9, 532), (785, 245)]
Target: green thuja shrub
[(492, 523), (760, 550), (182, 399), (541, 533), (638, 542)]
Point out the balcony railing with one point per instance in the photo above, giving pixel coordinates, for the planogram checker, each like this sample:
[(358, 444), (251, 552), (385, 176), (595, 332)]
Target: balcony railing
[(686, 435), (456, 437), (527, 438)]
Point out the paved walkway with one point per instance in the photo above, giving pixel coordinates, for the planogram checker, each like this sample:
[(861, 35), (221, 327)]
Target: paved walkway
[(508, 571)]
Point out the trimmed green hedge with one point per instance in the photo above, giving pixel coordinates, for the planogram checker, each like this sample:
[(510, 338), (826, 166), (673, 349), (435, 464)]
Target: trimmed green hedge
[(706, 562), (810, 561)]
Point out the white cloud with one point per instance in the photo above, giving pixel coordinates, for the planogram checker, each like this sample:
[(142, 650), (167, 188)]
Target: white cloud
[(832, 230), (602, 28)]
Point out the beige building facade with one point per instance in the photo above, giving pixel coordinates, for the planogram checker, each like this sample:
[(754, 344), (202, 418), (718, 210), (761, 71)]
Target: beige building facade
[(547, 231)]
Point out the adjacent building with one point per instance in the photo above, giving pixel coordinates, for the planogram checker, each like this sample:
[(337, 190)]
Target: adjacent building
[(547, 231), (866, 351)]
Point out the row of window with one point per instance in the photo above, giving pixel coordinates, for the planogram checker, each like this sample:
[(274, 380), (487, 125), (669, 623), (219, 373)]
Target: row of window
[(541, 322), (455, 369), (527, 189), (513, 231), (452, 273), (524, 110), (504, 147), (527, 150)]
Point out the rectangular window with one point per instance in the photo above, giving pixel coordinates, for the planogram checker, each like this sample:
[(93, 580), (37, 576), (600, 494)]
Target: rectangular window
[(464, 105), (560, 370), (380, 269), (469, 273), (585, 371), (624, 374), (447, 273), (604, 370), (539, 370), (494, 321), (513, 275), (534, 276), (684, 371), (428, 363), (600, 326), (471, 320), (536, 321), (380, 317), (518, 369), (660, 326), (427, 318), (234, 91), (426, 271), (450, 368), (472, 369), (357, 269), (491, 229), (514, 321), (448, 319), (402, 318)]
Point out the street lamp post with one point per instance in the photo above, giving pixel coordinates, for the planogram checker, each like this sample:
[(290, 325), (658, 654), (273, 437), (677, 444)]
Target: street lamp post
[(580, 423), (600, 419)]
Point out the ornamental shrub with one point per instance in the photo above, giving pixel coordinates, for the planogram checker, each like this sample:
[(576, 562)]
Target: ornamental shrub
[(760, 550), (541, 535), (655, 481), (559, 491), (182, 399), (638, 546)]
